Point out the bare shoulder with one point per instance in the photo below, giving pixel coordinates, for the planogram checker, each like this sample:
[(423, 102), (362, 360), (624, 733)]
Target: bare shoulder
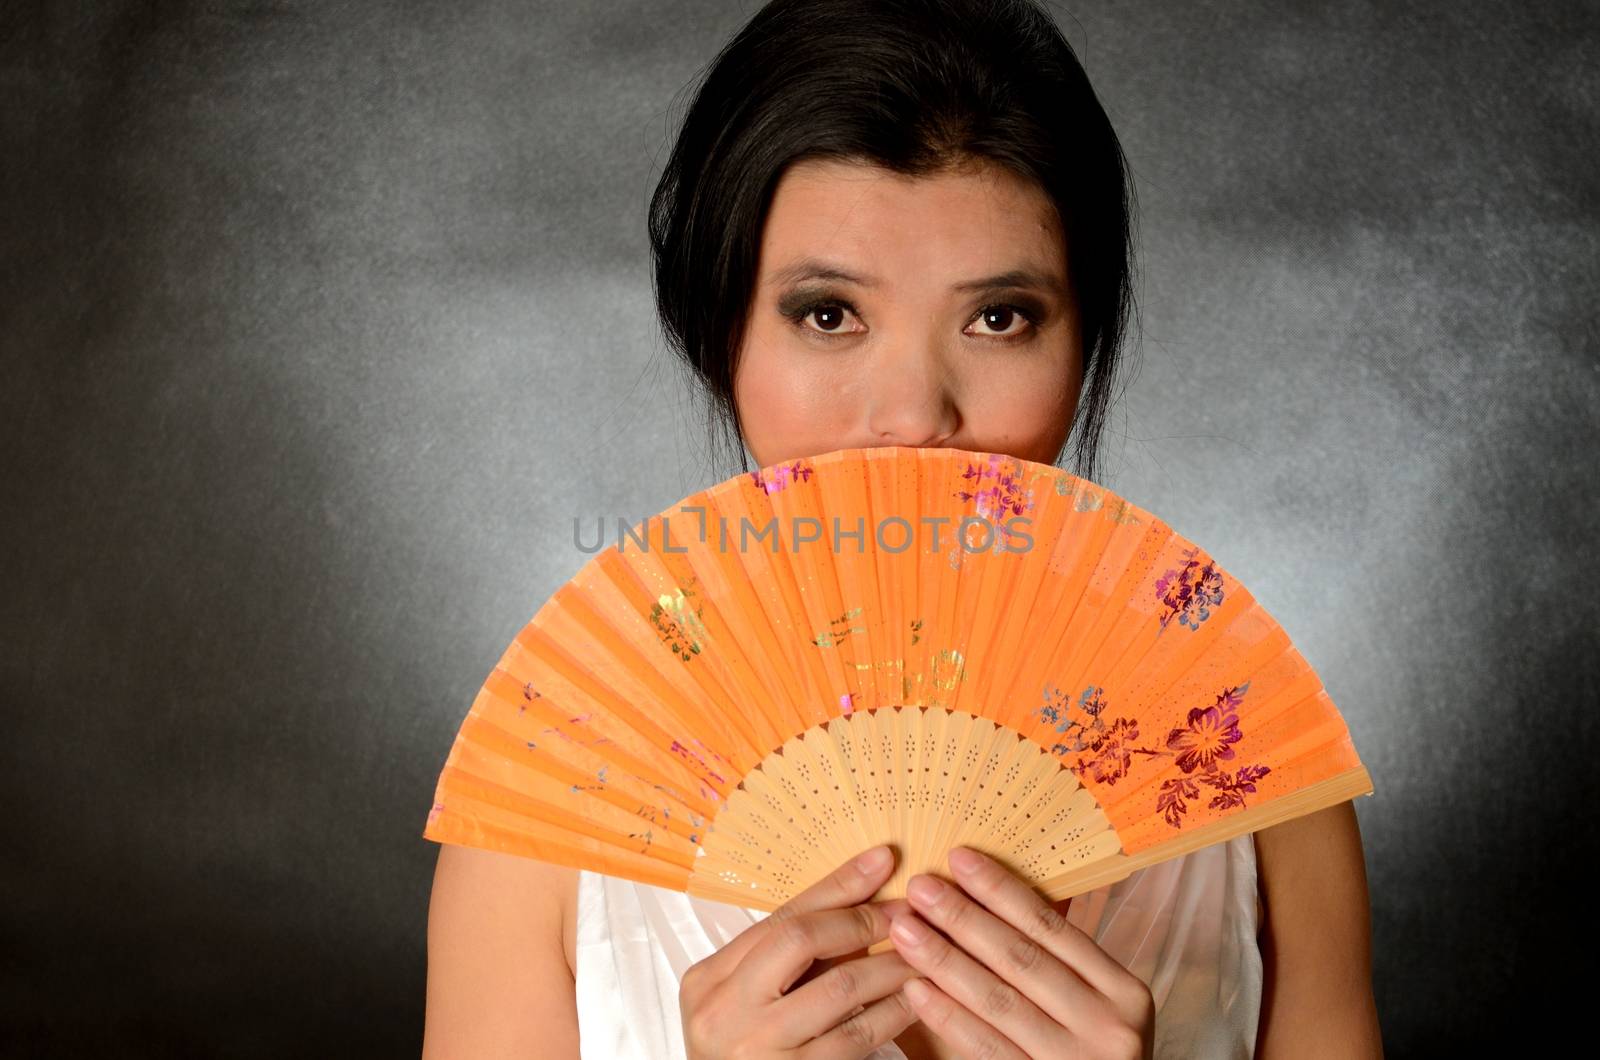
[(1315, 937), (500, 957)]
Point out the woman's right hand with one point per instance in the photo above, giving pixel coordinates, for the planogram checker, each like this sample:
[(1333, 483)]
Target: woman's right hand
[(742, 1002)]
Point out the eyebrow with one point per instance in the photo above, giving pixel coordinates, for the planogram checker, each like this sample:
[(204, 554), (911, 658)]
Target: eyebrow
[(814, 269)]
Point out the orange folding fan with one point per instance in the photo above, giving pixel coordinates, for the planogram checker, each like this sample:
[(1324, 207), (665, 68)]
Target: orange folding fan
[(924, 647)]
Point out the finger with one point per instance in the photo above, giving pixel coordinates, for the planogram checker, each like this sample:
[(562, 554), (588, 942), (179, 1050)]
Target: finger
[(809, 1011), (1010, 898), (892, 908), (1016, 958), (963, 1031), (851, 883), (978, 992), (863, 1032), (782, 956)]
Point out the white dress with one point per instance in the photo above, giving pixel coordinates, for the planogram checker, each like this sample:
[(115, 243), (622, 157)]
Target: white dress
[(1186, 926)]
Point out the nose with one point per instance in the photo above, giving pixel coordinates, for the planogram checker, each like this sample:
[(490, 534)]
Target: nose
[(909, 400)]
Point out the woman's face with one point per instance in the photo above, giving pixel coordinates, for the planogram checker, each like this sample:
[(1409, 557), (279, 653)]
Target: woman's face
[(889, 310)]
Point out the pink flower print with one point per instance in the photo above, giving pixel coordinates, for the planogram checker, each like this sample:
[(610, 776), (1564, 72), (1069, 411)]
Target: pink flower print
[(1005, 497), (1209, 736), (847, 702), (1001, 500), (1110, 747), (780, 476), (1190, 593), (1113, 751), (1210, 733), (1205, 740)]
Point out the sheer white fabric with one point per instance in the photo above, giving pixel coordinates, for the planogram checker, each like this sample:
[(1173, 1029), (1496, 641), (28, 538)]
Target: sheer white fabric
[(1186, 926)]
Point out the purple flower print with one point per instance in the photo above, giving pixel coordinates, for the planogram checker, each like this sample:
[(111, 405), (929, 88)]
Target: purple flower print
[(1110, 747), (1209, 734), (1004, 497), (1113, 751), (1205, 740), (1191, 592), (1000, 500), (780, 476), (1104, 750)]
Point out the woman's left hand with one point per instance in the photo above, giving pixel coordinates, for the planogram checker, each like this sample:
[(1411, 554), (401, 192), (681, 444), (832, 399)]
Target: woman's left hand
[(1010, 977)]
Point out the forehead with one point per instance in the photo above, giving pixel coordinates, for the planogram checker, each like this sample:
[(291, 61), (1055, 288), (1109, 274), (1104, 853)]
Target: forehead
[(961, 220)]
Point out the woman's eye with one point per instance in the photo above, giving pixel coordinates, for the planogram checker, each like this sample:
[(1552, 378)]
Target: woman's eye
[(831, 318), (1002, 318)]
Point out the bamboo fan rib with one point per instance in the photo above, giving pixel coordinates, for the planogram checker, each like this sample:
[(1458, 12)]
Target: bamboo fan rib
[(925, 647)]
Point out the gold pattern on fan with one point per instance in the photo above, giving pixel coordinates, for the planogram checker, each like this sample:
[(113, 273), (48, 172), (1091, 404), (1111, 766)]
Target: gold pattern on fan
[(945, 671), (925, 780)]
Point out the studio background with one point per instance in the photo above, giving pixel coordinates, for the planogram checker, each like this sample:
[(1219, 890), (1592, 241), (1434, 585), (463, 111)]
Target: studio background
[(322, 321)]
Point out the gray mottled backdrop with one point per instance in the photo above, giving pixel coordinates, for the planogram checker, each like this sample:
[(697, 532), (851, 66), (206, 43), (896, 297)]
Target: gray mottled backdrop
[(320, 321)]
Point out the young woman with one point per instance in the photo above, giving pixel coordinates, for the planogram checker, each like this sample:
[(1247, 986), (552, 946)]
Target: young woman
[(902, 222)]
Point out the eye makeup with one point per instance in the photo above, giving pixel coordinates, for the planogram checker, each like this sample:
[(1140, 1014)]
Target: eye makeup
[(796, 305)]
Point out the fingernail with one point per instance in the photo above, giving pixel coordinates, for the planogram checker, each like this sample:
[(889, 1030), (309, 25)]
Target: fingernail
[(964, 860), (926, 889), (909, 930), (916, 990), (873, 860)]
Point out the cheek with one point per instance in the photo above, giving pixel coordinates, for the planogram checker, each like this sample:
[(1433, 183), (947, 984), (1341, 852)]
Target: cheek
[(1027, 404), (786, 401)]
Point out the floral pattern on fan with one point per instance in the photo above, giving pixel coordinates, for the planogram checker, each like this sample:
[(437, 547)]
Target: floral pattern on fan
[(1198, 746), (1107, 744), (1205, 740), (996, 503), (677, 623), (839, 629), (1005, 496), (778, 477), (1191, 591)]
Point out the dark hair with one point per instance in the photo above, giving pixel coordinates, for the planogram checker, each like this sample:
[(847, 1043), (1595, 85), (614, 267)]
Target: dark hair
[(915, 86)]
